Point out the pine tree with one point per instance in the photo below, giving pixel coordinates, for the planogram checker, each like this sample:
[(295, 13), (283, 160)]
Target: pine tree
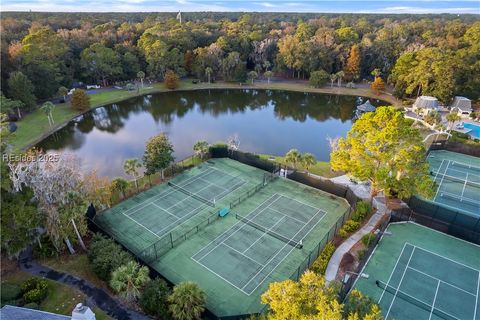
[(80, 100), (171, 80), (352, 68)]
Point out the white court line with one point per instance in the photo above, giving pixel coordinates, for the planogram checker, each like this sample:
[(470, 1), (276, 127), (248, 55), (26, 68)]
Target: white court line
[(464, 185), (244, 224), (159, 196), (464, 172), (400, 283), (441, 164), (393, 270), (275, 267), (305, 204), (200, 208), (441, 181), (177, 218), (445, 282), (289, 217), (439, 255), (467, 165), (264, 234), (476, 300), (241, 253), (221, 277), (278, 253), (434, 299)]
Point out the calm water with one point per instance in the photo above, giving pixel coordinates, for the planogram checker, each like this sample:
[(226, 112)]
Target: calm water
[(266, 122)]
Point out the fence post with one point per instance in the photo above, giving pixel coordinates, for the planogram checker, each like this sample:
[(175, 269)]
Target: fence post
[(171, 239)]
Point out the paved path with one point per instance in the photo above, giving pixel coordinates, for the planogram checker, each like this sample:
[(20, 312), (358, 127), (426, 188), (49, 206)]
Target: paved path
[(97, 296), (334, 263)]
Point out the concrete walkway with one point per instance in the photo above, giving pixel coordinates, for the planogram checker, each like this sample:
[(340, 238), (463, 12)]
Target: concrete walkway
[(336, 259), (97, 296)]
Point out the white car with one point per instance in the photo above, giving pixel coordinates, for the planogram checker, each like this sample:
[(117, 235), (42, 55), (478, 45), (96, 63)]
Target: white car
[(93, 86), (71, 91)]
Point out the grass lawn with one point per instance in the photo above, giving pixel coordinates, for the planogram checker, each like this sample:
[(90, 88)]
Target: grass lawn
[(321, 168), (34, 126), (61, 299), (77, 265)]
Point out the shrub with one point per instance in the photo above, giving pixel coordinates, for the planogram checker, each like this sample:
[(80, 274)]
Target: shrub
[(105, 256), (320, 265), (35, 290), (47, 250), (9, 292), (358, 303), (171, 80), (361, 254), (362, 210), (351, 85), (31, 305), (130, 86), (368, 239), (351, 225), (154, 298), (80, 100), (319, 78)]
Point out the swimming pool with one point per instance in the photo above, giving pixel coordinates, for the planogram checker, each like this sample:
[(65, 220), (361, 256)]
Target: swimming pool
[(474, 129)]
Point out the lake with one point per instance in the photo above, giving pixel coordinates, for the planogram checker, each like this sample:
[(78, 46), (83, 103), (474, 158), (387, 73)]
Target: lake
[(266, 121)]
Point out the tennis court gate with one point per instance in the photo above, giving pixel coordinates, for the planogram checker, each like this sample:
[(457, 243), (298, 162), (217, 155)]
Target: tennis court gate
[(448, 220)]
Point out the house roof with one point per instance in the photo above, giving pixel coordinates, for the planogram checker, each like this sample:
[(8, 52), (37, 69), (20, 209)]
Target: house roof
[(366, 107), (14, 313), (426, 102), (461, 103)]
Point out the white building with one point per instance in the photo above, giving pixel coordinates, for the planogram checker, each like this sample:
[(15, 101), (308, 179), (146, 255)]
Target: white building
[(427, 104), (462, 106)]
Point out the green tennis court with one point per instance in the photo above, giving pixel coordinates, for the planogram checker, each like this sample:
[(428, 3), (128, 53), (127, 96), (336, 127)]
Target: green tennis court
[(458, 179), (247, 253), (420, 273), (152, 216)]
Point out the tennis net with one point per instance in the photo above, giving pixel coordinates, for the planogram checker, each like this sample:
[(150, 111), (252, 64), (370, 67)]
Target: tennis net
[(441, 176), (191, 194), (415, 301), (274, 234)]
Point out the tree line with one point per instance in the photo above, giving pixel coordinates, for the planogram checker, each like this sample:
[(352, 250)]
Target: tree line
[(436, 55)]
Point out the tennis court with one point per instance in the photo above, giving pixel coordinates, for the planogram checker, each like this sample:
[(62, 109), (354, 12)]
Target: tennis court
[(148, 217), (252, 248), (458, 179), (420, 273)]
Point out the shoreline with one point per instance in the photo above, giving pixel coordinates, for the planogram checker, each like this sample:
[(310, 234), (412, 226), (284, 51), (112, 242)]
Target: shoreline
[(187, 85)]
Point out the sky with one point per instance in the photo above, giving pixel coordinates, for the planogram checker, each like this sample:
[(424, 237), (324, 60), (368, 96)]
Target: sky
[(315, 6)]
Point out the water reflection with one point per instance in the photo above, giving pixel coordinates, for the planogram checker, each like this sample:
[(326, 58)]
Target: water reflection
[(266, 121)]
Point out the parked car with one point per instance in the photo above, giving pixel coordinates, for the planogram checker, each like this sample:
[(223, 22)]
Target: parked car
[(93, 86)]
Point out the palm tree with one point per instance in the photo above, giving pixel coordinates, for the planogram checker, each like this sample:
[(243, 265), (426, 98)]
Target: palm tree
[(201, 148), (141, 75), (267, 65), (187, 301), (252, 75), (294, 157), (452, 117), (333, 77), (308, 160), (127, 280), (48, 107), (268, 74), (340, 75), (119, 185), (131, 166), (208, 73)]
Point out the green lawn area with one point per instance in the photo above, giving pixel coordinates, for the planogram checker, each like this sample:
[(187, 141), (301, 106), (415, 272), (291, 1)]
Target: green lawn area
[(61, 299), (34, 126), (321, 168), (77, 265)]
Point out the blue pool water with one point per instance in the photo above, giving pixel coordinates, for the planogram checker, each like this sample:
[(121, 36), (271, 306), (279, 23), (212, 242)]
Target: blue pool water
[(475, 130)]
